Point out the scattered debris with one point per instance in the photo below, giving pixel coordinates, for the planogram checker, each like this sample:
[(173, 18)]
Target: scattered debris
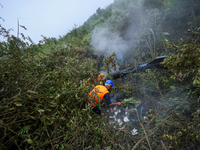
[(126, 119), (133, 119), (122, 128), (114, 108), (166, 33), (145, 118), (111, 123), (134, 132), (116, 112), (119, 122)]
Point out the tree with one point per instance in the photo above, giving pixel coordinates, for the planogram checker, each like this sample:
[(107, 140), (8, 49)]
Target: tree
[(185, 58)]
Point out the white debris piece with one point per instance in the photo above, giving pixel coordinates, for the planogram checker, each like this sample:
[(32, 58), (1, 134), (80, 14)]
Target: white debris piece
[(119, 110), (114, 108), (116, 113), (107, 110), (166, 33), (111, 122), (134, 132), (126, 119), (122, 128), (145, 118), (119, 122)]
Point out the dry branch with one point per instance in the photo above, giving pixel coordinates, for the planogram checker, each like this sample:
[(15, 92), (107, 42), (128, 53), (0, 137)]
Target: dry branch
[(154, 129), (143, 130)]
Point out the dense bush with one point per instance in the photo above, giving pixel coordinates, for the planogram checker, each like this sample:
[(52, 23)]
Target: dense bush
[(44, 99)]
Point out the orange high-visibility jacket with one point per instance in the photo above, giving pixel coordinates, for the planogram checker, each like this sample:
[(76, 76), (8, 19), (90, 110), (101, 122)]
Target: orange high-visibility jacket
[(97, 94)]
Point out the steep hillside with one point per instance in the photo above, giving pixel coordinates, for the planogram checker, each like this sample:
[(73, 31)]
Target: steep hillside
[(138, 27), (44, 88)]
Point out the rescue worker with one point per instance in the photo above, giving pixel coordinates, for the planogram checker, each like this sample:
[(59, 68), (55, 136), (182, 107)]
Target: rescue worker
[(96, 81), (99, 79), (99, 93)]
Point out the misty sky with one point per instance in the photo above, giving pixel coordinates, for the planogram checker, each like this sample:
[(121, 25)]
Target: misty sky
[(49, 18)]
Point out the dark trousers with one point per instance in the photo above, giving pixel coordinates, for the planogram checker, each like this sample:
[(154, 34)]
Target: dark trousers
[(97, 110)]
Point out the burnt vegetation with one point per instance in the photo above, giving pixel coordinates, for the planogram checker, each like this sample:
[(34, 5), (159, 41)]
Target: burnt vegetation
[(44, 88)]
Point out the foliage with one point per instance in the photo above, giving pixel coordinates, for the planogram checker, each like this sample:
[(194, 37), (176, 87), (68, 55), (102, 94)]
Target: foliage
[(130, 101), (109, 62), (44, 99), (185, 59), (161, 100), (43, 88)]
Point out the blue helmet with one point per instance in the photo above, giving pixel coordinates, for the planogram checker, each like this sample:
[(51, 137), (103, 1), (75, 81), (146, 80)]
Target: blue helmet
[(109, 82)]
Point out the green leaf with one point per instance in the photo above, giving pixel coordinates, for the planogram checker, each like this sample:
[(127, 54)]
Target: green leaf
[(33, 92), (18, 104), (29, 141), (130, 101), (117, 133), (40, 111), (25, 136), (32, 117), (62, 146), (23, 27), (178, 107), (9, 109), (198, 100), (2, 89), (53, 104)]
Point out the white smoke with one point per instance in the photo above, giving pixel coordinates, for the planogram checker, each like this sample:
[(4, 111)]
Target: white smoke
[(106, 42)]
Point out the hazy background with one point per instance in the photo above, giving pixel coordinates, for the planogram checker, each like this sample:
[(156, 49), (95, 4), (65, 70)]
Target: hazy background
[(50, 18)]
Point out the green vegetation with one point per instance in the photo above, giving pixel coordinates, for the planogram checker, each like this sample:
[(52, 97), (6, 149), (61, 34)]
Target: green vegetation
[(44, 89)]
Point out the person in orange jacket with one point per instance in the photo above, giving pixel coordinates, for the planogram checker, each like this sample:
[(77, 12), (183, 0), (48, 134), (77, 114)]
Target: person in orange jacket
[(96, 81), (99, 93), (99, 79)]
